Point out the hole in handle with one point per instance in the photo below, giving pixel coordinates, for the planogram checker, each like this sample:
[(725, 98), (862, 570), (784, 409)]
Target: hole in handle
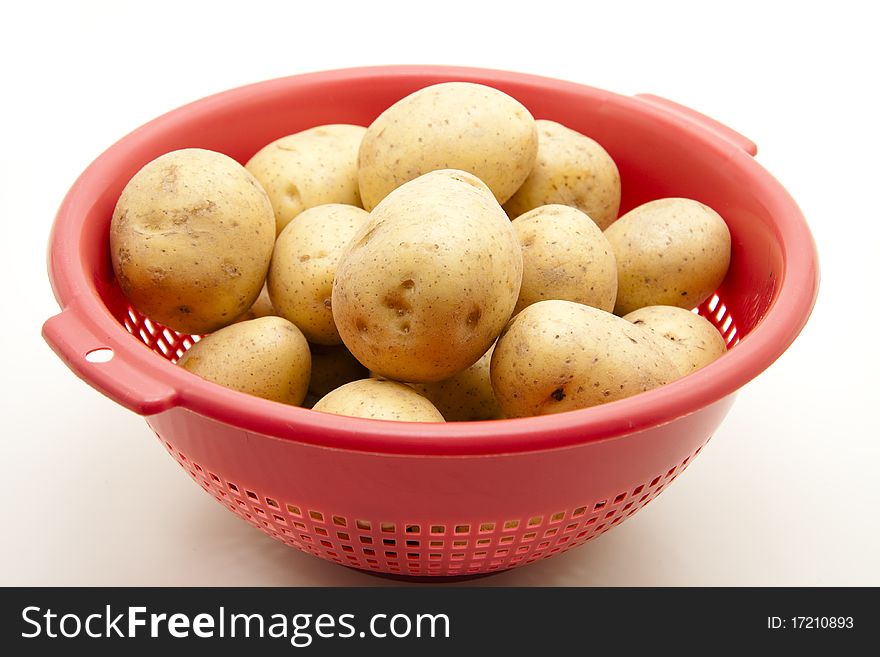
[(101, 355)]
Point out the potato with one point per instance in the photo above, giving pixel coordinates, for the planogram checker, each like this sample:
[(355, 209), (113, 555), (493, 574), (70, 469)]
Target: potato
[(558, 356), (379, 399), (171, 236), (565, 256), (267, 357), (430, 280), (670, 252), (332, 367), (454, 125), (690, 341), (465, 396), (262, 307), (304, 263), (570, 169), (309, 168)]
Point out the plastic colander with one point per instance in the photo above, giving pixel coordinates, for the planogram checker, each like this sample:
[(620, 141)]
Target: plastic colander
[(436, 499)]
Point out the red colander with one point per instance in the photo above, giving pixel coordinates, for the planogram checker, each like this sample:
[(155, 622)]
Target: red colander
[(436, 499)]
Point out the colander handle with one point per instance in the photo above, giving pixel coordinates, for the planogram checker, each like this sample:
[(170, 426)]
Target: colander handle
[(728, 134), (94, 357)]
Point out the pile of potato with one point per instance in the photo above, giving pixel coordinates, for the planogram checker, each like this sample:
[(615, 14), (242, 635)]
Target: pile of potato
[(455, 260)]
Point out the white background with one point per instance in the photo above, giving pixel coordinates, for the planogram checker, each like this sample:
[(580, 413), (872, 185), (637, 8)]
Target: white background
[(785, 493)]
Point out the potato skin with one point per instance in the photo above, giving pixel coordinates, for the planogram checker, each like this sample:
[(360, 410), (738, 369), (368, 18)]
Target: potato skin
[(304, 263), (565, 256), (429, 281), (670, 252), (689, 340), (267, 357), (570, 169), (170, 239), (262, 307), (379, 399), (332, 367), (453, 125), (309, 168), (559, 356), (466, 396)]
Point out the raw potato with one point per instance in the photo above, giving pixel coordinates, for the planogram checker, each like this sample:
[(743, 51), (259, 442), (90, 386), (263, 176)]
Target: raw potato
[(670, 252), (571, 169), (309, 168), (332, 367), (466, 396), (454, 125), (565, 256), (171, 234), (266, 357), (690, 341), (262, 307), (559, 356), (379, 399), (430, 280), (303, 266)]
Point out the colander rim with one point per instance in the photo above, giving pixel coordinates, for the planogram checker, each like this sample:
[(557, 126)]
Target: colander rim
[(74, 287)]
